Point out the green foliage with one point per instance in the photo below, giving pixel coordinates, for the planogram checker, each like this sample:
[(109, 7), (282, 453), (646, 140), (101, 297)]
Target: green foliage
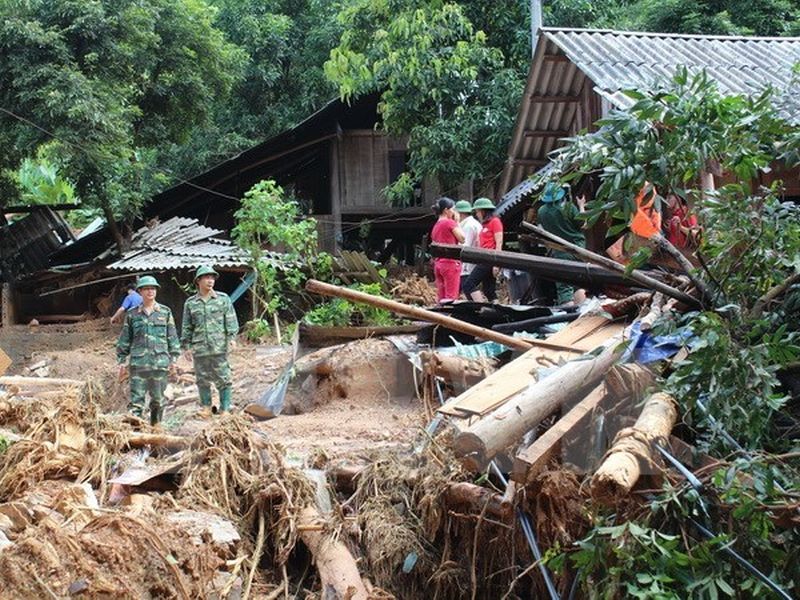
[(280, 82), (659, 554), (752, 242), (667, 138), (735, 378), (401, 193), (39, 182), (268, 221), (257, 330), (441, 83), (723, 17), (341, 313), (3, 444), (109, 79)]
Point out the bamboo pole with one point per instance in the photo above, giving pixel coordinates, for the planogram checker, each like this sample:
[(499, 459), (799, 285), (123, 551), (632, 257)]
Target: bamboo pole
[(636, 275), (326, 289), (632, 451)]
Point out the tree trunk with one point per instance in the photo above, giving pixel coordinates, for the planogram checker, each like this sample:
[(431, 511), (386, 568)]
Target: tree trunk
[(336, 566), (480, 442), (116, 234), (632, 451)]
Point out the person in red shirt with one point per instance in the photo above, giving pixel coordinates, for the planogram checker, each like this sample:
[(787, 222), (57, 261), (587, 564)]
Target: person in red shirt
[(447, 271), (490, 238), (681, 226)]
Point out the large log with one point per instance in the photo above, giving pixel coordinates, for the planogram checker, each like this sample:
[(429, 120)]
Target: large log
[(326, 289), (545, 267), (632, 452), (480, 442), (336, 566), (635, 275)]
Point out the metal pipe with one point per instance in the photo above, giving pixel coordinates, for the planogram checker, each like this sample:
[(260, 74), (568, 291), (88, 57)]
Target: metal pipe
[(530, 536)]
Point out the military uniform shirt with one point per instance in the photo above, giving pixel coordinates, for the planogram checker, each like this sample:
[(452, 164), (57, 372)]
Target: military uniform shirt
[(208, 325), (151, 340)]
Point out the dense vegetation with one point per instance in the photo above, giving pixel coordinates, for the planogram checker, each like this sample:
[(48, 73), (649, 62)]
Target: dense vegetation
[(110, 101), (737, 388)]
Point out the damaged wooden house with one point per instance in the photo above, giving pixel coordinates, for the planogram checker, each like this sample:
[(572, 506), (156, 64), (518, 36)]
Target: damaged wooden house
[(578, 76)]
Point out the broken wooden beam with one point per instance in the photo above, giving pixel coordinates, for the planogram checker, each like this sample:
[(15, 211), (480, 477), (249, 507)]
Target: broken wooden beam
[(632, 451), (477, 444), (414, 312), (636, 275), (531, 461)]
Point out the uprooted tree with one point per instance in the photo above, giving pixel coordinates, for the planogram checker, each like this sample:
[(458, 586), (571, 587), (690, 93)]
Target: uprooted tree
[(735, 391)]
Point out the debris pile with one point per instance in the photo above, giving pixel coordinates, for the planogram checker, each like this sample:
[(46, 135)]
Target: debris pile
[(529, 427)]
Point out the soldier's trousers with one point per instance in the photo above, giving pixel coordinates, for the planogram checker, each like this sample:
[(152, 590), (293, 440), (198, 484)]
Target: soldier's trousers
[(212, 370), (143, 382)]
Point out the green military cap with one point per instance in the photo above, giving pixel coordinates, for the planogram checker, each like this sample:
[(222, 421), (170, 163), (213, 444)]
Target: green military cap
[(483, 204), (552, 193), (146, 281), (463, 206), (204, 270)]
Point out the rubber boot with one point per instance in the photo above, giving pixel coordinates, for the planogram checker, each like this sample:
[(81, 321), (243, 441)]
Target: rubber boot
[(205, 401), (225, 399), (156, 414)]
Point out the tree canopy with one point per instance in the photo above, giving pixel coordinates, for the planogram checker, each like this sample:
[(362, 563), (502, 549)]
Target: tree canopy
[(105, 81), (124, 98)]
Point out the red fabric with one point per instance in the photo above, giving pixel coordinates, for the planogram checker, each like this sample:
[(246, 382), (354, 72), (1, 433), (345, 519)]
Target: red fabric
[(680, 218), (442, 232), (486, 236), (448, 279)]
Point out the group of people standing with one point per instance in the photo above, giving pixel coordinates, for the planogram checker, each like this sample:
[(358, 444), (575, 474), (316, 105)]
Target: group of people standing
[(471, 225), (148, 346)]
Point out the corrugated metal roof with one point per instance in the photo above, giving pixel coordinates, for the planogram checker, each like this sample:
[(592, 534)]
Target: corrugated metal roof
[(182, 243), (577, 75), (616, 60)]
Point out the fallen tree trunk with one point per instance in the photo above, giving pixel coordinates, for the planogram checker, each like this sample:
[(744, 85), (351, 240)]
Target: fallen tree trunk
[(336, 566), (326, 289), (632, 452), (480, 442), (635, 275)]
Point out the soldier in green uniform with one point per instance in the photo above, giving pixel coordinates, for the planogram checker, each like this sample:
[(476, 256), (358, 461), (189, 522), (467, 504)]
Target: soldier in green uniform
[(150, 339), (209, 326)]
